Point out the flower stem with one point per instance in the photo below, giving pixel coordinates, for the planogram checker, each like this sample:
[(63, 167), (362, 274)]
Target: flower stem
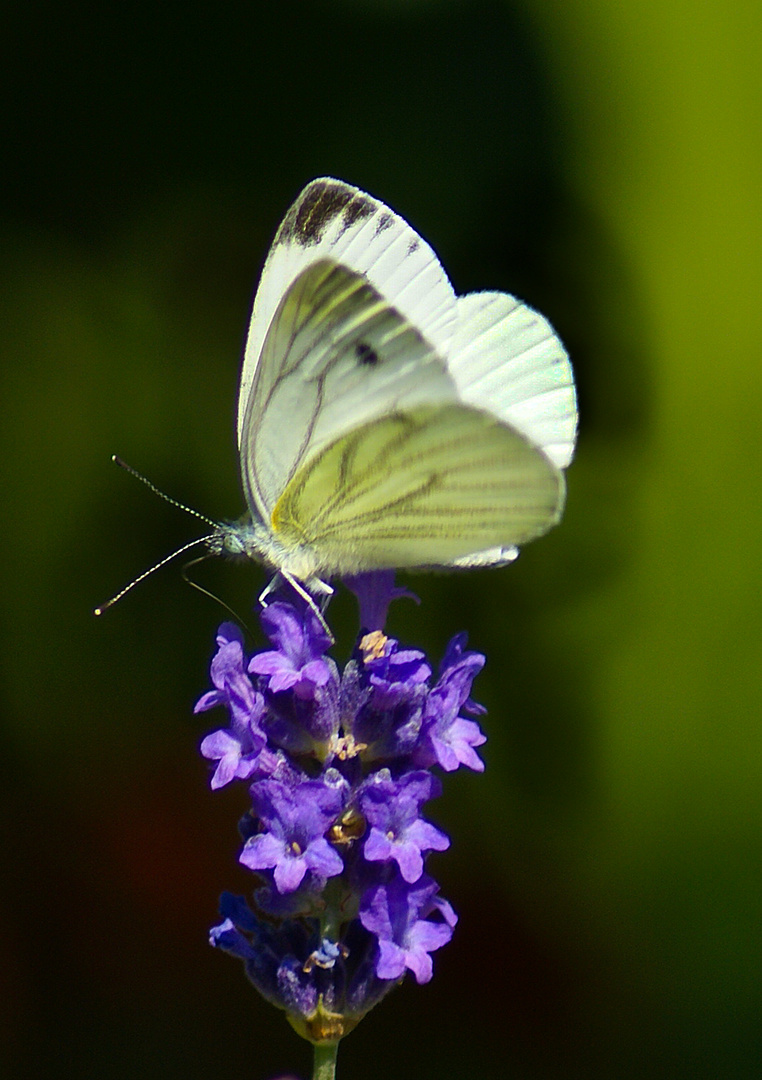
[(324, 1067)]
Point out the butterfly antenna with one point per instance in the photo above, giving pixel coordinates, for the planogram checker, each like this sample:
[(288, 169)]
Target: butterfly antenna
[(211, 595), (146, 573), (167, 498)]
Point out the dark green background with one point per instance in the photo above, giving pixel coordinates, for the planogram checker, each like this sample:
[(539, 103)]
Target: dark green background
[(600, 160)]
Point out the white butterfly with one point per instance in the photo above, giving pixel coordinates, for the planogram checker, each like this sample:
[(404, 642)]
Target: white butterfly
[(384, 421)]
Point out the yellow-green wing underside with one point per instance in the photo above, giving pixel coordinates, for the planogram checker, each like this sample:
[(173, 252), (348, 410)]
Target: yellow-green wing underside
[(336, 356), (418, 488)]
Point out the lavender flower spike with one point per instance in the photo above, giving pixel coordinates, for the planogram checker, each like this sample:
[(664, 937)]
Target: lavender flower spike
[(339, 765)]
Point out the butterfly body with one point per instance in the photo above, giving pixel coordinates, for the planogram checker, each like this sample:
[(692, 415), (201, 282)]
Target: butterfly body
[(382, 420)]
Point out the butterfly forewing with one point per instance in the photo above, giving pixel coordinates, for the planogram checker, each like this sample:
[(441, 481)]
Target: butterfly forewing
[(331, 219), (336, 351), (423, 487)]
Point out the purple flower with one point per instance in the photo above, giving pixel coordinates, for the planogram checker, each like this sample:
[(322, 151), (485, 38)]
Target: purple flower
[(338, 766), (297, 661), (375, 592), (389, 721), (397, 914), (391, 808), (273, 956), (457, 657), (294, 967), (393, 672), (295, 820), (235, 754), (448, 739), (305, 725), (237, 748), (233, 686)]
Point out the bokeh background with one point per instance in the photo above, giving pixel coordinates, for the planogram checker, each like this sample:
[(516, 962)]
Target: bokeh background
[(601, 160)]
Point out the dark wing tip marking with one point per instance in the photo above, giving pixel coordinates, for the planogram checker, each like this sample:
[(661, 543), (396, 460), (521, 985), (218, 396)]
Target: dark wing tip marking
[(318, 205), (359, 208), (385, 221)]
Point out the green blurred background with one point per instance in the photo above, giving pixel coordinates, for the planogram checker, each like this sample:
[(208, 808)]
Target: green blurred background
[(601, 160)]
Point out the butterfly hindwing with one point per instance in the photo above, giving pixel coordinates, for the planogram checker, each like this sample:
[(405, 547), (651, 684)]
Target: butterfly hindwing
[(419, 488), (506, 358)]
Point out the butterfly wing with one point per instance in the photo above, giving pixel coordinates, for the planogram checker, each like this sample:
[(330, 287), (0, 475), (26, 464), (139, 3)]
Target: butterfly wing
[(384, 422), (419, 488), (331, 219), (336, 355), (506, 358)]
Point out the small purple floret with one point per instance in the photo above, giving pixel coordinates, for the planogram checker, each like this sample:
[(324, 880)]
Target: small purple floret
[(391, 808), (296, 663), (375, 592), (293, 967), (396, 914), (295, 820), (237, 748), (448, 739)]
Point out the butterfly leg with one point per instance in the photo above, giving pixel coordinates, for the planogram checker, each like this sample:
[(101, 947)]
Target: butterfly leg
[(321, 587)]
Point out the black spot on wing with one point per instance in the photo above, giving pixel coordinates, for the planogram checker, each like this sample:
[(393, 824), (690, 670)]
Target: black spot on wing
[(412, 246), (319, 204), (366, 354)]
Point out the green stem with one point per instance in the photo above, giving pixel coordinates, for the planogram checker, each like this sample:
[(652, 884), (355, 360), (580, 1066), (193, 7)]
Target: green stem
[(325, 1061)]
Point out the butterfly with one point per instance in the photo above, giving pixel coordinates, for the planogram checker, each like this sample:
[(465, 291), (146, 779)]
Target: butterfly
[(383, 421)]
